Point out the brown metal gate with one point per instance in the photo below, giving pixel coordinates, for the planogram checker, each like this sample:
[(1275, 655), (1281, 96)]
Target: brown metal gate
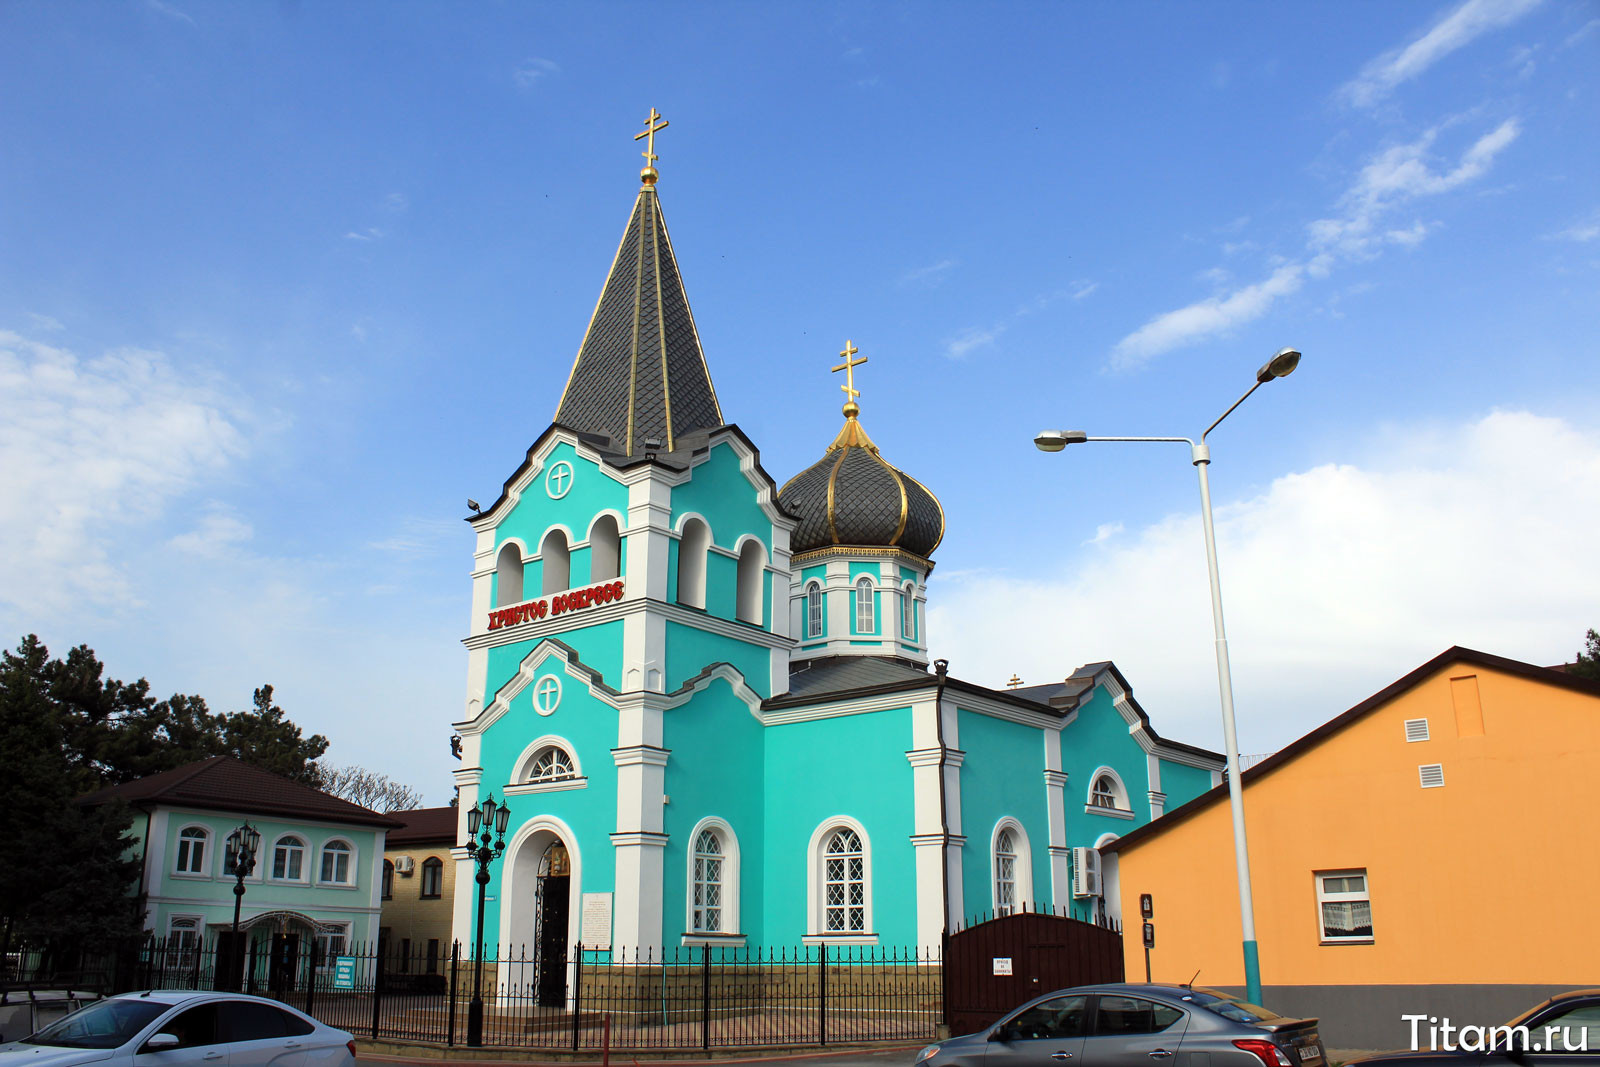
[(1041, 952)]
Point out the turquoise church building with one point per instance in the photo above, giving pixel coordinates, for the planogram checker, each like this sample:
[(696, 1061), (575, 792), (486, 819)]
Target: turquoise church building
[(707, 697)]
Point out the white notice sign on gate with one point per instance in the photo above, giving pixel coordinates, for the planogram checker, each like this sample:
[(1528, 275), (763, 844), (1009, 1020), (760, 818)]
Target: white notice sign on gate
[(596, 926), (1002, 964)]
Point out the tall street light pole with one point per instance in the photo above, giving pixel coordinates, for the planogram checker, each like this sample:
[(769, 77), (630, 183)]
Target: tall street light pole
[(1280, 365), (493, 819), (243, 844)]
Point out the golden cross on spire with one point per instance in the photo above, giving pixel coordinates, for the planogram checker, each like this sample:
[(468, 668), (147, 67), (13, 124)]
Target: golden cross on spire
[(849, 367), (649, 153)]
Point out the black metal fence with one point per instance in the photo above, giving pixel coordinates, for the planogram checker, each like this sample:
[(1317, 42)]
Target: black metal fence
[(692, 997)]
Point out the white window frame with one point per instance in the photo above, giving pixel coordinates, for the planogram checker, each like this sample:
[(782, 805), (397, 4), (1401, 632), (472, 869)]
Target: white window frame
[(184, 956), (304, 877), (1120, 796), (815, 614), (521, 783), (352, 853), (731, 932), (1325, 897), (864, 603), (206, 837), (324, 938), (816, 895), (908, 611), (1022, 866)]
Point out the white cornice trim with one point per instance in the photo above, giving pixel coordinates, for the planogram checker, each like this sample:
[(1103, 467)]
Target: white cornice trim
[(905, 698), (1055, 779), (640, 755), (645, 838), (558, 786), (995, 709), (558, 625), (924, 840), (1109, 813), (467, 775)]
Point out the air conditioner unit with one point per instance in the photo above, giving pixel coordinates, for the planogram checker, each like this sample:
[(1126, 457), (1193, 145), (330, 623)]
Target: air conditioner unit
[(405, 865), (1085, 872)]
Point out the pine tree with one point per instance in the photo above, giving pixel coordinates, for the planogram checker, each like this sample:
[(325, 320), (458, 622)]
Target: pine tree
[(1588, 662)]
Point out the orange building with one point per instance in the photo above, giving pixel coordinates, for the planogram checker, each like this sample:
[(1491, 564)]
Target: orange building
[(1432, 850)]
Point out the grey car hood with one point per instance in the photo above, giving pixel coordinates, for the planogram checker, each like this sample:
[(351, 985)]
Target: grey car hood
[(16, 1054)]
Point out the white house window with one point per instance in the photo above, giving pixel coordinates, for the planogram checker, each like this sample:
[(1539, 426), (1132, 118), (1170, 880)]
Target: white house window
[(908, 611), (288, 859), (336, 863), (814, 609), (1005, 873), (1345, 905), (331, 944), (183, 942), (865, 621), (708, 883), (1105, 792), (844, 884), (552, 763), (192, 851)]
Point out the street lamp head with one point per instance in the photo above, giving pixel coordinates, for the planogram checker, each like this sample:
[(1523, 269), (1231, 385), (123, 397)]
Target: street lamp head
[(474, 817), (500, 819), (489, 809), (1056, 440), (1280, 365)]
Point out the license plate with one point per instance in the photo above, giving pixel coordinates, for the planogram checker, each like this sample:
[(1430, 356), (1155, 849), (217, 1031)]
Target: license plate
[(1308, 1053)]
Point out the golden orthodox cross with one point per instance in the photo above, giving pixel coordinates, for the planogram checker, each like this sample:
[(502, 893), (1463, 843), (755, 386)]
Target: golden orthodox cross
[(849, 367), (649, 131)]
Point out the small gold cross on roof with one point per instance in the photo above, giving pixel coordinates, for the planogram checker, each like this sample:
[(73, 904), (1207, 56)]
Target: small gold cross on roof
[(649, 131), (849, 367)]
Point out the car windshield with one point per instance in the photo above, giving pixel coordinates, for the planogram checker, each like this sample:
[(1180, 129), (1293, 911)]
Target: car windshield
[(103, 1024), (1239, 1011)]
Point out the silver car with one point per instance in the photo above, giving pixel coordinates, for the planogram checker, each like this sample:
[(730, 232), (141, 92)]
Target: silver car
[(1135, 1026), (176, 1028)]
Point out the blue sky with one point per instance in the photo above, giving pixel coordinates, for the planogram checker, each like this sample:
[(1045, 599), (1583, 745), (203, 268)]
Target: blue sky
[(283, 285)]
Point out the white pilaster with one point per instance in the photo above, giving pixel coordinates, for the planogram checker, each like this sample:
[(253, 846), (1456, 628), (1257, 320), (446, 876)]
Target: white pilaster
[(1158, 799), (1055, 798), (639, 839)]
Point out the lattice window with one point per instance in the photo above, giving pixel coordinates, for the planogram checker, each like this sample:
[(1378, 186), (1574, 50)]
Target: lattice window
[(844, 884), (814, 610), (708, 882), (192, 851), (183, 942), (551, 764), (1005, 873), (866, 622), (908, 611)]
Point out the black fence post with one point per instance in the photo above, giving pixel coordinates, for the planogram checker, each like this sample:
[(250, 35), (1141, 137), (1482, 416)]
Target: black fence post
[(577, 994), (822, 994), (199, 954), (455, 970), (377, 990), (250, 981), (705, 996), (311, 979)]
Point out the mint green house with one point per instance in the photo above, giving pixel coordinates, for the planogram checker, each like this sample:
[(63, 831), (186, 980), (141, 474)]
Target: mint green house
[(708, 700), (317, 877)]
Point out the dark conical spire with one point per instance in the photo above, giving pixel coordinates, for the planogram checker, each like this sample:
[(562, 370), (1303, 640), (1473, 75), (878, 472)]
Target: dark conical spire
[(640, 373)]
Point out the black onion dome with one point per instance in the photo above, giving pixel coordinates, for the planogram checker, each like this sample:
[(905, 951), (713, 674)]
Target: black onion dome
[(852, 496)]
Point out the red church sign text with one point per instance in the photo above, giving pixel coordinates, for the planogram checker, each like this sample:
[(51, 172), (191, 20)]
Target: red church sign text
[(560, 604)]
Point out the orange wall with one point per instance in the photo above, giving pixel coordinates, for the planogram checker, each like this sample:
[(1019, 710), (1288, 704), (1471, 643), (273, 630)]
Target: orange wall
[(1493, 878)]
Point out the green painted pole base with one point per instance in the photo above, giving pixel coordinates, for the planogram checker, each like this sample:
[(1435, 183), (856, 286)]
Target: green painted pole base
[(1252, 973)]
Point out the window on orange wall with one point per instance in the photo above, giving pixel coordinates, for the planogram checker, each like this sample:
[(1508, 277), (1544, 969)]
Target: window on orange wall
[(1344, 906)]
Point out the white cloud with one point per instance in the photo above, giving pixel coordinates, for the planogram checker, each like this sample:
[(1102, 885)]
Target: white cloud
[(1104, 532), (169, 10), (931, 275), (87, 449), (1084, 289), (533, 70), (1458, 28), (1392, 178), (218, 533), (371, 233), (1336, 580), (395, 202), (972, 337), (1585, 229)]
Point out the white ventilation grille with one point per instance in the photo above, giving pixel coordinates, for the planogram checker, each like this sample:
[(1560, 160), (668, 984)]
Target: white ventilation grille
[(1432, 775), (1416, 729)]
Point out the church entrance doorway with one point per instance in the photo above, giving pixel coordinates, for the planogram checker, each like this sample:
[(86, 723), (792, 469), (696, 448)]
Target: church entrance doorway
[(552, 904)]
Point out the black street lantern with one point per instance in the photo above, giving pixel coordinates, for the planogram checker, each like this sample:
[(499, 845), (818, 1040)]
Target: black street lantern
[(492, 818), (243, 844)]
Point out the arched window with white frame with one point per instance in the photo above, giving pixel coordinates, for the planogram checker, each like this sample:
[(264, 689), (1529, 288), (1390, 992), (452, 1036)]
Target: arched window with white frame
[(814, 609), (193, 845), (840, 893), (1011, 867), (752, 582), (713, 889), (694, 541), (908, 611), (289, 859), (555, 563), (508, 575), (866, 617), (605, 549), (1107, 793), (183, 942), (337, 865), (552, 763)]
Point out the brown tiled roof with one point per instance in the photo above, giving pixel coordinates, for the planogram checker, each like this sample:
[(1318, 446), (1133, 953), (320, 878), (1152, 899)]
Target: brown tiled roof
[(423, 826), (223, 783)]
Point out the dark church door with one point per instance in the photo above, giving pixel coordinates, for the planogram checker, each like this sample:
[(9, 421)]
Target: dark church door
[(552, 976)]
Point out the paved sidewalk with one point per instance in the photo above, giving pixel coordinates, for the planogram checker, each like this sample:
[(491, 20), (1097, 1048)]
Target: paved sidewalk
[(892, 1056)]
